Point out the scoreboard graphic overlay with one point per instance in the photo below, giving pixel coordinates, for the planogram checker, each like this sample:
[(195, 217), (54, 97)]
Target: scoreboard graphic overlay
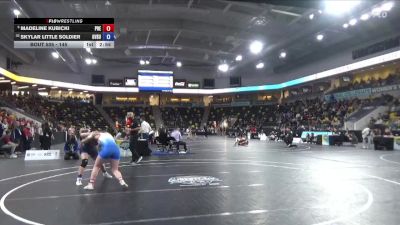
[(64, 33)]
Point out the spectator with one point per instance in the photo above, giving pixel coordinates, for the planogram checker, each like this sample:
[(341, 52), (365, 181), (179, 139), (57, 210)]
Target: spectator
[(176, 134), (8, 144), (47, 136), (27, 137)]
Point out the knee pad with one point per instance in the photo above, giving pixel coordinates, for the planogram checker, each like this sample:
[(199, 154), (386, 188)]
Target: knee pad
[(84, 163)]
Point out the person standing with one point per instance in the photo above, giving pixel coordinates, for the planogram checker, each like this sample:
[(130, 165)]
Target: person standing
[(205, 131), (145, 128), (133, 132), (47, 136), (366, 135)]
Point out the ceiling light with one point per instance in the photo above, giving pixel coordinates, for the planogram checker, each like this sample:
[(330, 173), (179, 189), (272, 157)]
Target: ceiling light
[(147, 62), (345, 26), (256, 47), (70, 92), (376, 11), (364, 16), (70, 89), (88, 61), (41, 89), (320, 37), (13, 82), (94, 61), (353, 22), (34, 85), (340, 7), (23, 87), (5, 81), (54, 87), (59, 91), (260, 65), (85, 91), (223, 67), (387, 6), (178, 64), (80, 93), (16, 12), (1, 78), (239, 58), (142, 62), (311, 16), (282, 55), (55, 55)]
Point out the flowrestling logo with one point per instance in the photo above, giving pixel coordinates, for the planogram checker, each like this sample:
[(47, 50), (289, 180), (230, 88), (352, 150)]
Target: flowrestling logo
[(185, 181)]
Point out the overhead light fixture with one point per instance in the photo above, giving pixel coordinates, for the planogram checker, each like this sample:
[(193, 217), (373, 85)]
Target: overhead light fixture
[(320, 37), (23, 87), (55, 55), (239, 58), (80, 93), (5, 81), (13, 82), (59, 92), (88, 61), (54, 87), (282, 55), (85, 91), (179, 64), (41, 89), (376, 11), (223, 67), (364, 17), (70, 89), (70, 92), (34, 85), (260, 65), (1, 78), (256, 47), (345, 26), (147, 62), (94, 61), (16, 12), (340, 7), (142, 62), (311, 16), (353, 22), (387, 6)]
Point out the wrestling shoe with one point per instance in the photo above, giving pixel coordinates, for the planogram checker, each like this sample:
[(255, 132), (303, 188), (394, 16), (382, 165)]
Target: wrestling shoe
[(107, 175), (139, 159), (78, 181), (123, 184), (89, 187)]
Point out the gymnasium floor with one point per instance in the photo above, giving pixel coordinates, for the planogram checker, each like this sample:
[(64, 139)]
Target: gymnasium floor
[(264, 183)]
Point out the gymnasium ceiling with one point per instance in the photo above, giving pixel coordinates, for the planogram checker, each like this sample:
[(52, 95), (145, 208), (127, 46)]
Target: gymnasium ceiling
[(200, 33)]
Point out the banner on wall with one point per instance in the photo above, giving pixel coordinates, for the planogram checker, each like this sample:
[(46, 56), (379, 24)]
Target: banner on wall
[(386, 88)]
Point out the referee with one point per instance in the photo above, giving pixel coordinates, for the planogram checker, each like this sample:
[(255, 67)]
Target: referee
[(133, 141)]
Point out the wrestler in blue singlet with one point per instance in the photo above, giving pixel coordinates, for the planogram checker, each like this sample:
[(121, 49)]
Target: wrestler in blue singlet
[(108, 149)]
